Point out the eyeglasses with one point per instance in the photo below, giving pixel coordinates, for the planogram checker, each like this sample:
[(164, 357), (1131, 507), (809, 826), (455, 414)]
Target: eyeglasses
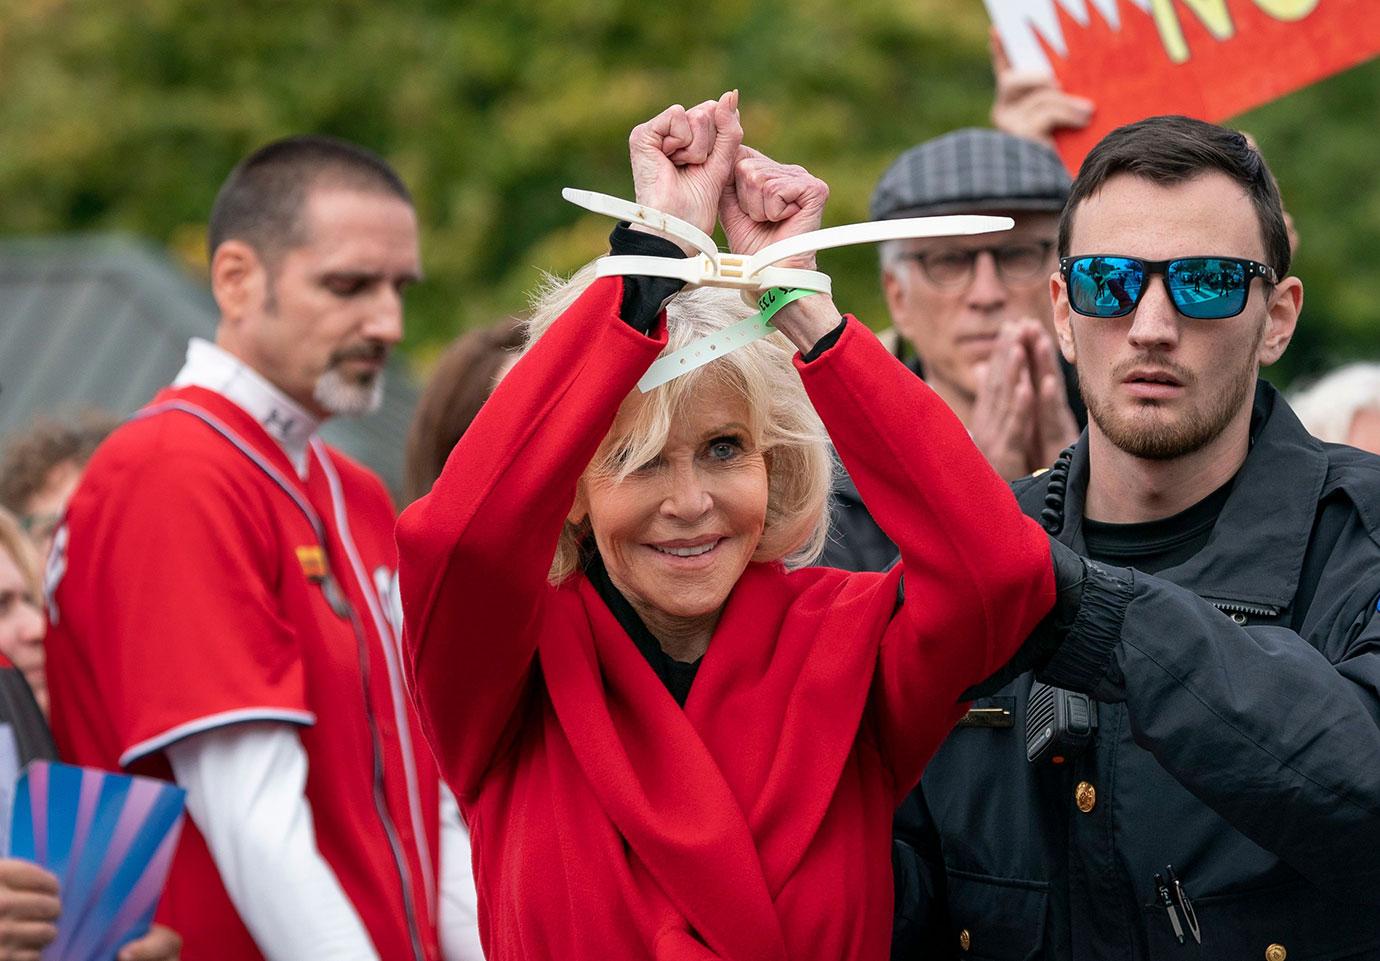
[(953, 266), (1203, 288)]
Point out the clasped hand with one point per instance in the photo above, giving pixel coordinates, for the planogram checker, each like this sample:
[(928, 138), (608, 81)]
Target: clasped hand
[(1021, 418), (693, 164)]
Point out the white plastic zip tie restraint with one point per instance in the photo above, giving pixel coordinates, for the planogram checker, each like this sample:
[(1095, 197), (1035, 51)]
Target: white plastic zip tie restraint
[(755, 273)]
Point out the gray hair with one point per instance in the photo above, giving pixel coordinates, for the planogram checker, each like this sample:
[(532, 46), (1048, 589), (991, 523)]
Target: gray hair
[(799, 467), (890, 253), (1329, 406)]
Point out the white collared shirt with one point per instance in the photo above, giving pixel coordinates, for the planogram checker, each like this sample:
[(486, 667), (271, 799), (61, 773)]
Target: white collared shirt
[(286, 421)]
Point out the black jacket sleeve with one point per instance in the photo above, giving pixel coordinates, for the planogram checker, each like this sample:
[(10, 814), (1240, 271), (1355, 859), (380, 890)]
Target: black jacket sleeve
[(1277, 734)]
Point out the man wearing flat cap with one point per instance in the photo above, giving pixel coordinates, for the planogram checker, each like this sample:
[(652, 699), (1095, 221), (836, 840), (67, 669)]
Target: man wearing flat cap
[(971, 315)]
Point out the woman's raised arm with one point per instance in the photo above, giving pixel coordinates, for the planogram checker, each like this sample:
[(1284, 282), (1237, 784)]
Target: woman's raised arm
[(977, 575), (474, 554)]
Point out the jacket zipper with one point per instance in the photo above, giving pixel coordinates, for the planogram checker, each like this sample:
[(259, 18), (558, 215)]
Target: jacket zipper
[(1238, 611)]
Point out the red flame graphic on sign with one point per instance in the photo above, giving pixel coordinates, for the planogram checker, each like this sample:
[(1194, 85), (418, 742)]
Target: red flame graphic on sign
[(1129, 73)]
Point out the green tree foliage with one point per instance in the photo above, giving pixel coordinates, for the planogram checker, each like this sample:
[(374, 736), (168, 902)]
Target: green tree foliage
[(127, 116)]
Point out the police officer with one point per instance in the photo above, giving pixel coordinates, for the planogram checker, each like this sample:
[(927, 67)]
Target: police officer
[(1227, 804)]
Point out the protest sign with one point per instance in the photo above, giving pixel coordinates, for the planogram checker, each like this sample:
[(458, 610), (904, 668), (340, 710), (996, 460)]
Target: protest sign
[(109, 839), (1209, 59)]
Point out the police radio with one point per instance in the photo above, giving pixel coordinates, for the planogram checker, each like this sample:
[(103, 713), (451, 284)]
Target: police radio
[(1059, 724)]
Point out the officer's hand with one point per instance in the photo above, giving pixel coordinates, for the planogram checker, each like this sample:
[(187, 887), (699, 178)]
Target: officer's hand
[(1003, 421), (681, 159), (1055, 425), (29, 908), (160, 944), (1031, 105), (766, 201)]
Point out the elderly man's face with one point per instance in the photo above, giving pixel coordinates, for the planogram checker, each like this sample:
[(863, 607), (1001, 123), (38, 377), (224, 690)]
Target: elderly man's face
[(332, 309), (1157, 384), (677, 533), (950, 306)]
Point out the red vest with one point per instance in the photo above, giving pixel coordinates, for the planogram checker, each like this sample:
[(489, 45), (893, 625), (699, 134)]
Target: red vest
[(202, 583)]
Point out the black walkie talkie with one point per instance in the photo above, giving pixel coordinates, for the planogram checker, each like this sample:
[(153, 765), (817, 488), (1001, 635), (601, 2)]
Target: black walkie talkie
[(1058, 724)]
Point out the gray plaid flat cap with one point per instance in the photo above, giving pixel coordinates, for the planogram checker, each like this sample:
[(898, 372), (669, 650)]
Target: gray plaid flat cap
[(971, 171)]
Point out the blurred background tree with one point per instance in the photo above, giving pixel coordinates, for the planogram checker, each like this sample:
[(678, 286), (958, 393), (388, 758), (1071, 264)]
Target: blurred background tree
[(126, 116)]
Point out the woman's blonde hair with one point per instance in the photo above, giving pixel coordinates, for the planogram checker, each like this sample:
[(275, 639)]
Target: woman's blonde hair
[(799, 467)]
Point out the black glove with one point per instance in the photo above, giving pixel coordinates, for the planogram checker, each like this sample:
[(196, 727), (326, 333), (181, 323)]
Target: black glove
[(1083, 658), (1089, 605)]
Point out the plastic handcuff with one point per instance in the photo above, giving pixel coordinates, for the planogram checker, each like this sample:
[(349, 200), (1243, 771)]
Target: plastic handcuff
[(715, 268), (749, 274)]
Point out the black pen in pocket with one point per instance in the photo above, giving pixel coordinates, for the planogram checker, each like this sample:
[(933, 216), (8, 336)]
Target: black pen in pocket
[(1167, 901), (1185, 905)]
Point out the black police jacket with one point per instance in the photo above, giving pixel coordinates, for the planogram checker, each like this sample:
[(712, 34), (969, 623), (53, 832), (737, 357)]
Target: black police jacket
[(1239, 743)]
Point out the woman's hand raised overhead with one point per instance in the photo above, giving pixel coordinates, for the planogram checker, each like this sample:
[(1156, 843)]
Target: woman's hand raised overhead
[(682, 159), (765, 201)]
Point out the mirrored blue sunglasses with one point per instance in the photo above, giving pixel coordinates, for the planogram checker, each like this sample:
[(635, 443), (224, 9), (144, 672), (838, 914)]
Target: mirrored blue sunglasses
[(1204, 288)]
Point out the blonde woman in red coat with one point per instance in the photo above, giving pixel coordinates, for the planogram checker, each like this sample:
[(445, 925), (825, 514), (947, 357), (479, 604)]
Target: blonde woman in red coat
[(676, 740)]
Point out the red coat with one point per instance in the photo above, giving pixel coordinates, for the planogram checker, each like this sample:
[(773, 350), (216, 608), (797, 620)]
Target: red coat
[(755, 824)]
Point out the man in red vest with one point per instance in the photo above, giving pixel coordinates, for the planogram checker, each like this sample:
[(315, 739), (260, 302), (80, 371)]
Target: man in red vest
[(222, 589)]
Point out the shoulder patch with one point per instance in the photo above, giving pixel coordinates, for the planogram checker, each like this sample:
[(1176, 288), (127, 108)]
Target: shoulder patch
[(313, 561)]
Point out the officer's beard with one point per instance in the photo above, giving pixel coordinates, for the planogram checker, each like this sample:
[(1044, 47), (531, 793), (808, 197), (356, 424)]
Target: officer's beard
[(1146, 432)]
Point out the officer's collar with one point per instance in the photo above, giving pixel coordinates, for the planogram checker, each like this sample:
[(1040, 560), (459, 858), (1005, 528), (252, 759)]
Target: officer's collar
[(1255, 552), (282, 418)]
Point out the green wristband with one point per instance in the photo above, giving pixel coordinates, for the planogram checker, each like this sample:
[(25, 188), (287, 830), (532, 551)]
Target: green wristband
[(774, 298), (729, 339)]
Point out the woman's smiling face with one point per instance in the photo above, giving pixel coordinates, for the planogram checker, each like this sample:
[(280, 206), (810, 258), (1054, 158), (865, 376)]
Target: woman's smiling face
[(677, 533)]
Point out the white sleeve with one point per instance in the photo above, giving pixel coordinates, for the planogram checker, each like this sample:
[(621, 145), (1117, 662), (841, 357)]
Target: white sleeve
[(245, 787), (459, 903)]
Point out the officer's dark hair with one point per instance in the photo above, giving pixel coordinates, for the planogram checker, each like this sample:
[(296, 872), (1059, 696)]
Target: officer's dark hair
[(261, 201), (1171, 150)]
